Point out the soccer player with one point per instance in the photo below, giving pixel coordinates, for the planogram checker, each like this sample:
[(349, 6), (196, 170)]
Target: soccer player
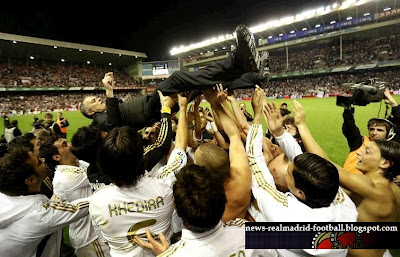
[(26, 215), (70, 183), (234, 168), (135, 200), (376, 196), (313, 182), (200, 200)]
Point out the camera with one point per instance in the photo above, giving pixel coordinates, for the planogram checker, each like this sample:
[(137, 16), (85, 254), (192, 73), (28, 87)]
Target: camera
[(363, 93), (36, 124)]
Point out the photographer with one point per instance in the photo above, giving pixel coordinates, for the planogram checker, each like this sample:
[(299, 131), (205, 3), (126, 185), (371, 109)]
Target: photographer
[(377, 129), (37, 124)]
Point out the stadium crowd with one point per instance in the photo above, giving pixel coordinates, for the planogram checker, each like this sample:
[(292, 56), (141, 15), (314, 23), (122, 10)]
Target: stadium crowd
[(15, 73), (327, 55), (157, 175)]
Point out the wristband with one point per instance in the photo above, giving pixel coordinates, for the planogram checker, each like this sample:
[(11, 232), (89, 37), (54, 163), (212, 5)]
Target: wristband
[(165, 109), (214, 126)]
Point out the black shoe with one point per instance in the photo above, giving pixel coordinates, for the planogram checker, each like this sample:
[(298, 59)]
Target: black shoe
[(245, 54), (263, 65)]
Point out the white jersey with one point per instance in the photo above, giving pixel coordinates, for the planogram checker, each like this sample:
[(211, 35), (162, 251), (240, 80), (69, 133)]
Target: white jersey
[(276, 206), (71, 183), (123, 212), (26, 220), (226, 239)]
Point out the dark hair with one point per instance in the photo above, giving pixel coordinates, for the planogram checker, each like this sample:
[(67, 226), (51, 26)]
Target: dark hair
[(379, 122), (49, 115), (214, 158), (24, 140), (120, 156), (390, 150), (85, 143), (289, 120), (284, 112), (14, 170), (317, 178), (199, 197), (47, 150)]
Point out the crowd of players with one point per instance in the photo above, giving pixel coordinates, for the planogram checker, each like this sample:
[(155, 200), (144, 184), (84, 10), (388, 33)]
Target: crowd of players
[(186, 184)]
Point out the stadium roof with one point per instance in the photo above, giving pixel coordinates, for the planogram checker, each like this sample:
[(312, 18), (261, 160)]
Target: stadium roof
[(277, 26), (17, 46)]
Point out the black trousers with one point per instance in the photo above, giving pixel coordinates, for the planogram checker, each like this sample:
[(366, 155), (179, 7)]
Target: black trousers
[(224, 72)]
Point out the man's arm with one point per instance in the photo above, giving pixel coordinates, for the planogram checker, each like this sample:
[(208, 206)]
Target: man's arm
[(271, 202), (59, 214), (112, 117), (222, 98), (395, 114), (197, 121), (217, 135), (350, 130), (178, 157), (153, 153), (275, 124), (238, 185), (356, 183), (238, 113)]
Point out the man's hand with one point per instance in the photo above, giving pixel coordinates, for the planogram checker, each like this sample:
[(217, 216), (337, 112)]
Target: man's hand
[(210, 95), (231, 96), (183, 99), (389, 98), (109, 83), (274, 119), (157, 125), (167, 101), (208, 116), (257, 100), (299, 113), (197, 102), (152, 244), (222, 94), (190, 114)]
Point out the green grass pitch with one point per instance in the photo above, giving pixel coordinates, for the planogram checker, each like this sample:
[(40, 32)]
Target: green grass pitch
[(323, 117)]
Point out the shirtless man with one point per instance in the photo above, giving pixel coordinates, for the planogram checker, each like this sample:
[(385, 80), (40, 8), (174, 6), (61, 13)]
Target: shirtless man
[(376, 196), (233, 169)]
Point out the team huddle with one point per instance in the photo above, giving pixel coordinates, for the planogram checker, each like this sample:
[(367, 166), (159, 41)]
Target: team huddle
[(160, 176)]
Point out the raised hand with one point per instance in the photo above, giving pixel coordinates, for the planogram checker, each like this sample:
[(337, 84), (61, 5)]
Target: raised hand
[(109, 83), (257, 100), (222, 94), (274, 119), (190, 114), (208, 116), (167, 101), (389, 98), (183, 99), (299, 113)]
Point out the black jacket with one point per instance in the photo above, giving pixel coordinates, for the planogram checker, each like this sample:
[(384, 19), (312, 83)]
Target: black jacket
[(130, 113)]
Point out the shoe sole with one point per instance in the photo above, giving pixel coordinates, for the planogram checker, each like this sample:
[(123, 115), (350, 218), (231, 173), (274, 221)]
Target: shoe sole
[(245, 37)]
